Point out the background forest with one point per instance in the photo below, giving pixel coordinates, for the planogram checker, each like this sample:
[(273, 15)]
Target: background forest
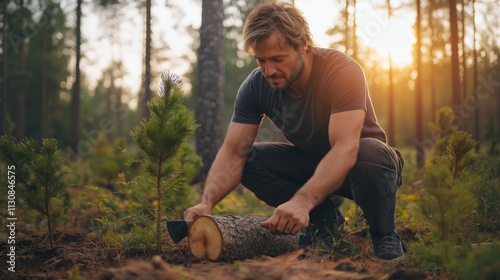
[(79, 86)]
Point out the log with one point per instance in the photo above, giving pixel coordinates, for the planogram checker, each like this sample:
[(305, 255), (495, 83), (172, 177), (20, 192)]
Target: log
[(230, 237)]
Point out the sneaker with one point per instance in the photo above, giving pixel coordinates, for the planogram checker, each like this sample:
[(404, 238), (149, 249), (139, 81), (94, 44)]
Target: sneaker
[(324, 231), (389, 247)]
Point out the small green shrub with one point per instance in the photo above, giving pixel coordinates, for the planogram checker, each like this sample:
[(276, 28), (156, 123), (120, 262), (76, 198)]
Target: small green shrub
[(43, 175), (107, 160), (442, 128), (160, 138), (435, 259), (481, 263), (446, 201), (460, 200), (486, 189)]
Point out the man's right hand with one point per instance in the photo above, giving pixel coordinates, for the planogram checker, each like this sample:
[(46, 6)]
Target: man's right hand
[(199, 209)]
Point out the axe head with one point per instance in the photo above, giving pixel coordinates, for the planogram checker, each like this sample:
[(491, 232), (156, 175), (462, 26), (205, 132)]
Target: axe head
[(177, 230)]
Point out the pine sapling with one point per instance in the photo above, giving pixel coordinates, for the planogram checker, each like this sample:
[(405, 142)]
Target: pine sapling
[(447, 202), (442, 128), (160, 138), (457, 155), (43, 174)]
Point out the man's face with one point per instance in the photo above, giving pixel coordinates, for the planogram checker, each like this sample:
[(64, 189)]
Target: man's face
[(280, 62)]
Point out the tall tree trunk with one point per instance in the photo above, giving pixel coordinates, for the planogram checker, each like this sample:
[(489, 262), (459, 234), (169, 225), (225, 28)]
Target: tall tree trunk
[(418, 90), (347, 29), (477, 123), (4, 114), (455, 64), (21, 94), (210, 93), (44, 118), (354, 36), (119, 114), (431, 62), (75, 98), (147, 64), (392, 138), (464, 52), (110, 92)]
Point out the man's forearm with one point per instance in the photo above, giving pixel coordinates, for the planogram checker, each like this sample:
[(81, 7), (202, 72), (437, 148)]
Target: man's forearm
[(328, 177), (223, 177)]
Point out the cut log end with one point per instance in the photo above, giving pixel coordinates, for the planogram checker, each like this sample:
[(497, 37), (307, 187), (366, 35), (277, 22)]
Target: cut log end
[(205, 238)]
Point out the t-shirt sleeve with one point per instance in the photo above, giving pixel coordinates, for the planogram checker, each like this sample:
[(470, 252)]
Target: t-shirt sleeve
[(348, 89), (246, 107)]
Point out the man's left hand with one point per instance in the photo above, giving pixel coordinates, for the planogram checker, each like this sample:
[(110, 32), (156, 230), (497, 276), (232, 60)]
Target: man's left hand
[(289, 218)]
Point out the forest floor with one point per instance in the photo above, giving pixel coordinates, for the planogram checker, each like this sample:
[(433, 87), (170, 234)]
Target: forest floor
[(75, 256)]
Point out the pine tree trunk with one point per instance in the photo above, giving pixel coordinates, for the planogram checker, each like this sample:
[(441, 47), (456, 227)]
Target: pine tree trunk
[(4, 114), (464, 52), (354, 36), (119, 114), (210, 93), (21, 93), (47, 215), (347, 34), (159, 196), (75, 98), (431, 62), (44, 121), (477, 124), (392, 137), (419, 133), (228, 237), (147, 62), (110, 93), (455, 64)]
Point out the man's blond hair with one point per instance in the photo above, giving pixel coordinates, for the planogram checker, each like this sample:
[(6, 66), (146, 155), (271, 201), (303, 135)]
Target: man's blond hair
[(270, 16)]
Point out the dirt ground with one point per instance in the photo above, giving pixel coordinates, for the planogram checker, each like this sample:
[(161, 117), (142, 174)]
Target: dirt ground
[(76, 255)]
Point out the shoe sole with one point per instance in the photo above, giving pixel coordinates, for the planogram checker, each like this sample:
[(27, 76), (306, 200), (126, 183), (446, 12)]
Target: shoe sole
[(397, 260), (394, 261)]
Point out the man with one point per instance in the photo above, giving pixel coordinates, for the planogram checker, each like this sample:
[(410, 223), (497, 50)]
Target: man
[(319, 99)]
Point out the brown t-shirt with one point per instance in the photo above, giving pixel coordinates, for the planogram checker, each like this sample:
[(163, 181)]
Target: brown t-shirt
[(337, 84)]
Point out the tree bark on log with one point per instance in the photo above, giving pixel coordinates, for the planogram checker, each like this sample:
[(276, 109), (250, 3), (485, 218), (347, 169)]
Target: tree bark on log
[(229, 237)]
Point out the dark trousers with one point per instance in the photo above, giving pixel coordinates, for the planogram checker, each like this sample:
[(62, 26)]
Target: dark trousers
[(275, 171)]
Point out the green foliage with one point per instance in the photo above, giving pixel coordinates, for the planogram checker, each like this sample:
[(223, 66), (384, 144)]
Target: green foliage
[(442, 128), (48, 52), (457, 156), (160, 138), (243, 202), (460, 199), (107, 160), (438, 259), (486, 189), (44, 175), (446, 202), (142, 200), (354, 218), (449, 210), (457, 262), (493, 134), (190, 162), (104, 208), (481, 263)]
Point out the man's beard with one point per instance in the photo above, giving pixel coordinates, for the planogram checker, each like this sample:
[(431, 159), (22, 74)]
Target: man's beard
[(294, 74)]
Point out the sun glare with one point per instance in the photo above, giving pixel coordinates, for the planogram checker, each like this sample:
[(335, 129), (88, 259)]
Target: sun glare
[(397, 41), (373, 30)]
